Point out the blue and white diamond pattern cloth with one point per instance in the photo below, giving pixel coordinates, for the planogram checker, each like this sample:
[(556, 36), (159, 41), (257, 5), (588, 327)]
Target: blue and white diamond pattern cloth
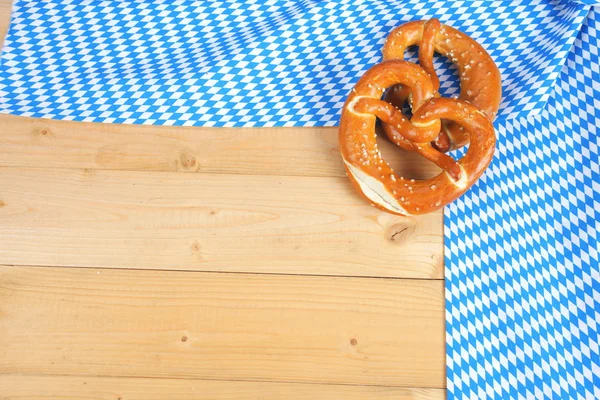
[(522, 247), (522, 251), (251, 63)]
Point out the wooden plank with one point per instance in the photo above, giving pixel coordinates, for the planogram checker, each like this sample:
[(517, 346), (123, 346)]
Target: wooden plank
[(263, 151), (19, 387), (131, 219), (78, 321), (5, 10)]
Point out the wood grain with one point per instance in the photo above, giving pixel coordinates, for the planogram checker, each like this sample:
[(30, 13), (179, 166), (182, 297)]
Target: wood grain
[(19, 387), (130, 219), (5, 10), (78, 321), (167, 198), (263, 151)]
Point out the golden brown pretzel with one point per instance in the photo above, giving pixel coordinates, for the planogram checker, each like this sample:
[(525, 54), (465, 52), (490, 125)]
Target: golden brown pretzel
[(480, 79), (373, 177)]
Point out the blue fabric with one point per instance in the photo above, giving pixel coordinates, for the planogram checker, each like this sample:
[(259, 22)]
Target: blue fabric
[(522, 264), (251, 63)]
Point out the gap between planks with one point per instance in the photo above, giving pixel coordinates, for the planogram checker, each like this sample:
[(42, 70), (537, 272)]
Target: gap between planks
[(16, 387), (69, 321), (316, 275)]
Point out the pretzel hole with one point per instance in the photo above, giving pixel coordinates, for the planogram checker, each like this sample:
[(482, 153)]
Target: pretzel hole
[(408, 164), (448, 73), (407, 109), (393, 95), (457, 154), (411, 53), (446, 70)]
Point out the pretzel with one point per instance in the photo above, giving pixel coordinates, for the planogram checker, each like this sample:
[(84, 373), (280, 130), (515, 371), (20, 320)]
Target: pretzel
[(373, 177), (480, 79)]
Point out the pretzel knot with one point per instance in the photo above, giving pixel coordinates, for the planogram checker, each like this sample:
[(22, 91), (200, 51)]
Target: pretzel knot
[(437, 123)]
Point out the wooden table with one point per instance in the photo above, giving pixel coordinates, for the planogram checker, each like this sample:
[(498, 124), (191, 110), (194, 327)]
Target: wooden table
[(141, 262)]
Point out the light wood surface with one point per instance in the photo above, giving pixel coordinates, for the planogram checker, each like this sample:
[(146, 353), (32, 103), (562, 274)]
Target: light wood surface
[(222, 326), (19, 387), (108, 234), (211, 222), (5, 9)]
